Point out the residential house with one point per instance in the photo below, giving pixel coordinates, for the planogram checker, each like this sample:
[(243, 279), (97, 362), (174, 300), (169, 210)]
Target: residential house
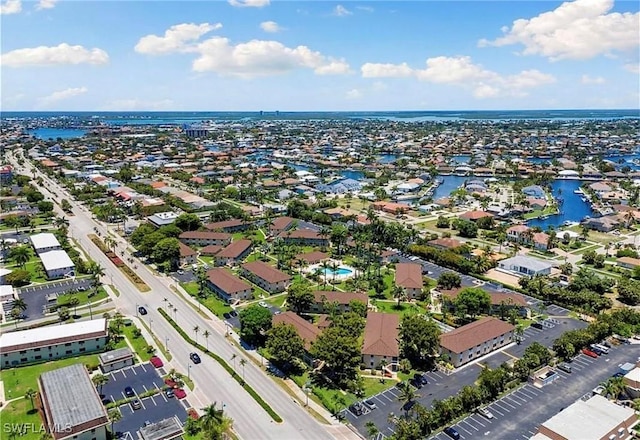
[(71, 406), (474, 340), (381, 336), (390, 208), (628, 262), (475, 215), (518, 233), (409, 277), (233, 225), (268, 277), (525, 266), (305, 237), (603, 224), (445, 243), (341, 300), (205, 238), (52, 342), (45, 242), (307, 331), (187, 255), (536, 204), (234, 253), (280, 224), (160, 219), (57, 264), (228, 286), (534, 191)]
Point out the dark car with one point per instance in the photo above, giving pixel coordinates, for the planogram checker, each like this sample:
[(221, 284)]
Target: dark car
[(451, 432), (537, 325), (128, 391), (416, 383), (195, 358), (169, 392), (226, 315), (356, 409), (422, 378), (142, 310), (407, 406), (233, 313)]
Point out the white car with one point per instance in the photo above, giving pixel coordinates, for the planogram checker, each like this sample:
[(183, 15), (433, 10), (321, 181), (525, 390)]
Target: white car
[(263, 304), (485, 412)]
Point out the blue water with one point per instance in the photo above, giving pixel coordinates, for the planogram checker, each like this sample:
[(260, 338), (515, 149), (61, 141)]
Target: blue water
[(55, 133), (339, 271), (573, 209), (449, 184), (462, 158), (350, 174), (387, 158)]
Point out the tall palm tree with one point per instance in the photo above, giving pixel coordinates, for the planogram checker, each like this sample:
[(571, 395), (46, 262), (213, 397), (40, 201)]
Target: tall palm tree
[(74, 302), (100, 380), (243, 362), (114, 416), (19, 304), (196, 329), (214, 423), (61, 222), (614, 387), (406, 396), (233, 358), (206, 335), (399, 294), (21, 255), (31, 394)]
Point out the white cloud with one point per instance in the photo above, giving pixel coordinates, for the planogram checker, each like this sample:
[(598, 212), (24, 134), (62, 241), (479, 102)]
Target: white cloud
[(586, 79), (54, 55), (177, 38), (632, 67), (10, 7), (261, 58), (379, 70), (354, 94), (270, 26), (61, 95), (46, 4), (578, 30), (461, 71), (249, 3), (139, 104), (341, 11)]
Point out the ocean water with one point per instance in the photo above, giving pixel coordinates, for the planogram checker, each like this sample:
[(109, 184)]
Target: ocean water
[(572, 209), (55, 133)]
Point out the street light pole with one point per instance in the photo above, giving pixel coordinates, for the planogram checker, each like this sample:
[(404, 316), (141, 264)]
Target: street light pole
[(166, 343), (150, 323), (189, 372)]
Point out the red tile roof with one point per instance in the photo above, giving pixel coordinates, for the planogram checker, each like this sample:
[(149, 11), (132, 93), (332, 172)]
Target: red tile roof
[(476, 333), (268, 273), (409, 275), (227, 282), (381, 335)]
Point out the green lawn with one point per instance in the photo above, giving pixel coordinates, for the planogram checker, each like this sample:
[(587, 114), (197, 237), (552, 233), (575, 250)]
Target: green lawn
[(19, 413), (139, 344), (84, 298), (278, 300), (18, 380), (34, 267), (191, 288), (212, 302), (374, 386)]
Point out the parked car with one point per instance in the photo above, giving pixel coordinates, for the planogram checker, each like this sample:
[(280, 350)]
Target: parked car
[(407, 406), (156, 361), (421, 377), (369, 403), (135, 404), (233, 313), (169, 393), (142, 310), (181, 272), (564, 367), (263, 304), (589, 353), (537, 325), (147, 422), (356, 409), (451, 432), (128, 392), (416, 383), (226, 315), (195, 358), (485, 413), (180, 393)]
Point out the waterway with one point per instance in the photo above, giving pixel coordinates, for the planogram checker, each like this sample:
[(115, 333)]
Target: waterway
[(449, 183), (572, 209), (55, 133)]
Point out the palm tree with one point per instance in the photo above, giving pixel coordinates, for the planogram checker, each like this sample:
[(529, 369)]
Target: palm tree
[(196, 329), (406, 396), (114, 416), (61, 222), (15, 314), (206, 335), (243, 362), (74, 302), (31, 394), (165, 301), (21, 255), (614, 387), (399, 294), (100, 380), (233, 358), (214, 423), (372, 429), (19, 304)]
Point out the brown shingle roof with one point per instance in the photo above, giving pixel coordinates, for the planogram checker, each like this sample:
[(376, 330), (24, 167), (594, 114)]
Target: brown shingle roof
[(510, 299), (475, 215), (268, 273), (235, 249), (340, 297), (281, 223), (224, 224), (206, 235), (303, 234), (307, 331), (470, 335), (381, 335), (186, 251), (313, 257), (227, 282), (447, 243), (409, 275), (212, 249)]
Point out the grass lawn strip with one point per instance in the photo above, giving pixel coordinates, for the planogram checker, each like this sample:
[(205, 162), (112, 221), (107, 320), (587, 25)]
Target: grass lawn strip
[(19, 418)]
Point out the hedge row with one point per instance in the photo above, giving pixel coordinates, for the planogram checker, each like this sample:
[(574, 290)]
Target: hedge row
[(226, 366)]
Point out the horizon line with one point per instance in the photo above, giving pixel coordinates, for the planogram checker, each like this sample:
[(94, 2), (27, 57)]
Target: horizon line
[(319, 111)]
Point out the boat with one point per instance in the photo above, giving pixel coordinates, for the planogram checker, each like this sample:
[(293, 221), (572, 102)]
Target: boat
[(578, 191), (584, 199)]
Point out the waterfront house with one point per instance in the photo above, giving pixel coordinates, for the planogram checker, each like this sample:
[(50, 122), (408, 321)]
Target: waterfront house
[(603, 224), (535, 191)]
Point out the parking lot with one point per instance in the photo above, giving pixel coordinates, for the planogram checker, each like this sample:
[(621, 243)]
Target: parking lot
[(141, 378), (518, 414), (154, 409), (36, 296)]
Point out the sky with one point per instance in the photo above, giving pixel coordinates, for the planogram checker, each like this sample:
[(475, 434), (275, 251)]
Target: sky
[(251, 55)]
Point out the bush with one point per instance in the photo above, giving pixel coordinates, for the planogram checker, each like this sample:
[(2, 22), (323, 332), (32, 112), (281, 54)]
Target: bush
[(19, 277)]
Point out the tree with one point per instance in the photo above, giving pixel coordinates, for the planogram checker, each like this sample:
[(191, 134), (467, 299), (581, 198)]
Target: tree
[(628, 291), (167, 250), (399, 294), (254, 322), (196, 329), (449, 280), (284, 345), (206, 335), (443, 222), (243, 362), (18, 277), (63, 313), (188, 222), (31, 394), (372, 430), (466, 228), (214, 423), (341, 352), (419, 339), (19, 304), (472, 301), (406, 396), (21, 255), (613, 387), (300, 297), (99, 380), (74, 302), (114, 416)]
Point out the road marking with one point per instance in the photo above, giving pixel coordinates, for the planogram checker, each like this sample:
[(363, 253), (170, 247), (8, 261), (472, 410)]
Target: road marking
[(465, 421), (502, 401), (388, 398), (528, 393), (513, 400), (123, 374), (134, 371), (144, 368), (464, 429), (379, 400), (478, 421)]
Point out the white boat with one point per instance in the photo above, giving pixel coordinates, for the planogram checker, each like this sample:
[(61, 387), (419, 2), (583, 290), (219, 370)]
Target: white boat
[(578, 191), (584, 199)]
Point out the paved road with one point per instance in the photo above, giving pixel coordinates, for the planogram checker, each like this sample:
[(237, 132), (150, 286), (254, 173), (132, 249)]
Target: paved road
[(213, 382)]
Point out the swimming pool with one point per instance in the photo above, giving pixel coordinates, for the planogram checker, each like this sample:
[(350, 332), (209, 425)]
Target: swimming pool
[(339, 271)]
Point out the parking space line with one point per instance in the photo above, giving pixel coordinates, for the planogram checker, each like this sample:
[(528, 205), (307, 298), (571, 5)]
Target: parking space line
[(520, 397), (379, 400), (145, 388), (502, 401), (513, 400), (465, 421), (134, 371), (464, 429), (143, 368), (477, 421), (386, 397), (528, 393), (123, 374)]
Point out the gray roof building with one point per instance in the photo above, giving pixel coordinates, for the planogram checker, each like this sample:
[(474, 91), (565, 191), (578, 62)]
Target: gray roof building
[(71, 402)]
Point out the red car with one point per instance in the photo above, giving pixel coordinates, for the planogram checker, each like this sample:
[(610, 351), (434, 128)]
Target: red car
[(156, 361), (589, 353), (179, 393)]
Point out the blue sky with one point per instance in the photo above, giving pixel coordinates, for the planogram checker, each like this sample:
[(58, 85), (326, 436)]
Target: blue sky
[(250, 55)]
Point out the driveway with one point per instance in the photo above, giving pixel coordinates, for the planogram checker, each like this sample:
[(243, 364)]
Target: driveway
[(141, 377), (154, 409), (36, 296)]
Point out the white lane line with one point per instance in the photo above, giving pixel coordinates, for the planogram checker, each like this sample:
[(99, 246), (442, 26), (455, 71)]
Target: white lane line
[(507, 403), (465, 421), (495, 410)]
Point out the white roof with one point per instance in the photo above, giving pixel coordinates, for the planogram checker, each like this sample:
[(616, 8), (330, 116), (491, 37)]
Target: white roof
[(6, 293), (53, 260), (568, 173), (633, 375), (41, 335), (592, 419), (44, 240), (528, 262), (4, 271)]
